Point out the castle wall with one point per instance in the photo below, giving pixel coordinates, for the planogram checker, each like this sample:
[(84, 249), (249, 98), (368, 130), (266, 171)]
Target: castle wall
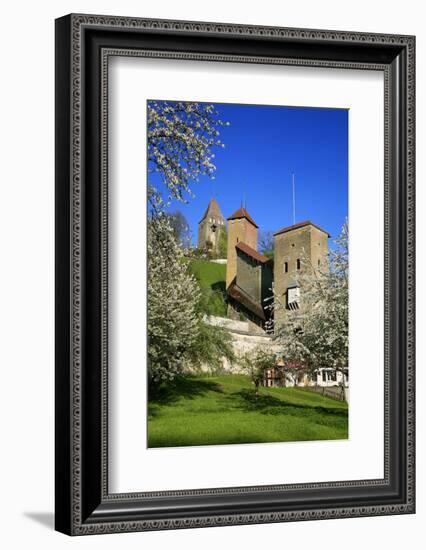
[(249, 276), (234, 312), (255, 279), (243, 343), (240, 230)]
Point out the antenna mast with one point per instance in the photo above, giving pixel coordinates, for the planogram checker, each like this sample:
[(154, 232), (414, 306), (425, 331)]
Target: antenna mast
[(294, 202)]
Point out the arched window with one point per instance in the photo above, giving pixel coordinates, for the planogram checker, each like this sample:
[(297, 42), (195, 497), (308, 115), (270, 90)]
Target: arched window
[(298, 264)]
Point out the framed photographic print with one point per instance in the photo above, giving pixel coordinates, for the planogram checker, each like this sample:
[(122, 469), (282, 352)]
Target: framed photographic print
[(234, 274)]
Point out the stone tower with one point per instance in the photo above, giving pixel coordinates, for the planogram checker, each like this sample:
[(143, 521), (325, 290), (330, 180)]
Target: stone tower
[(210, 227), (241, 229), (291, 245)]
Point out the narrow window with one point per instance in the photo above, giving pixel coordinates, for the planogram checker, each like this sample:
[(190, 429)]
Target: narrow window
[(319, 263), (297, 264), (285, 267)]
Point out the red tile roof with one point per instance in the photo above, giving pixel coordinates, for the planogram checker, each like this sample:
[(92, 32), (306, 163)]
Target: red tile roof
[(252, 253), (244, 299), (299, 225), (242, 213)]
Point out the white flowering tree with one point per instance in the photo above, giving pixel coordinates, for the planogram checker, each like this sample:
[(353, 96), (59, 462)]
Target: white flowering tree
[(317, 334), (173, 301), (181, 138)]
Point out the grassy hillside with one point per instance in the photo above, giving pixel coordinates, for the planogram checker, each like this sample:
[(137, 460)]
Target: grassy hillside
[(211, 278), (224, 410)]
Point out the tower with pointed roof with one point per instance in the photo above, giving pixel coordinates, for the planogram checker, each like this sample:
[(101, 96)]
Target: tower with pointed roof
[(241, 229), (210, 227)]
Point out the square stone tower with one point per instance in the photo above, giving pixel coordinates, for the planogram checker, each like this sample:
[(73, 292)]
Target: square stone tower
[(291, 245), (241, 229)]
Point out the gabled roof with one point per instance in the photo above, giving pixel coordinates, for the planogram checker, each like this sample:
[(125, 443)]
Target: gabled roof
[(298, 226), (242, 213), (252, 252), (245, 300), (212, 210)]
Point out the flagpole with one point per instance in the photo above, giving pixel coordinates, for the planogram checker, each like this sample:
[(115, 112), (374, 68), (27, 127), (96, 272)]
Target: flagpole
[(294, 202)]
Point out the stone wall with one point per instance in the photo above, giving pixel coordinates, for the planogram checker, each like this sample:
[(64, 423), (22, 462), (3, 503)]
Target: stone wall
[(319, 249), (242, 341), (249, 276), (237, 312), (224, 322)]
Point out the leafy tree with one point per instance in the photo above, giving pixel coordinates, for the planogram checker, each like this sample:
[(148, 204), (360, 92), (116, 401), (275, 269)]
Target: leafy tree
[(256, 363), (180, 227), (213, 302), (212, 345), (266, 243), (317, 334), (223, 243)]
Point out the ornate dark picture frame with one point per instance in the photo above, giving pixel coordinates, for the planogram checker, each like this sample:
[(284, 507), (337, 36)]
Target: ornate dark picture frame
[(84, 44)]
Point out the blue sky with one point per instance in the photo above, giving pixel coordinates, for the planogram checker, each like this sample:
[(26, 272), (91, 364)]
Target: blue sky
[(264, 146)]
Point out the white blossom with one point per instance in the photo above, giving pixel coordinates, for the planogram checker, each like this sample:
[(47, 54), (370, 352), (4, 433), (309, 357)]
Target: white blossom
[(181, 138), (173, 296), (317, 334)]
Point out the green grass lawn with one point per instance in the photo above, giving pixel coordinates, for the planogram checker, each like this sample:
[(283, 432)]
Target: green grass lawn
[(211, 278), (224, 409)]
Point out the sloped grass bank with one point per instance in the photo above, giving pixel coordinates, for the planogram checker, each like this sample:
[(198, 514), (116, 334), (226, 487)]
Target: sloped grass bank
[(211, 278)]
